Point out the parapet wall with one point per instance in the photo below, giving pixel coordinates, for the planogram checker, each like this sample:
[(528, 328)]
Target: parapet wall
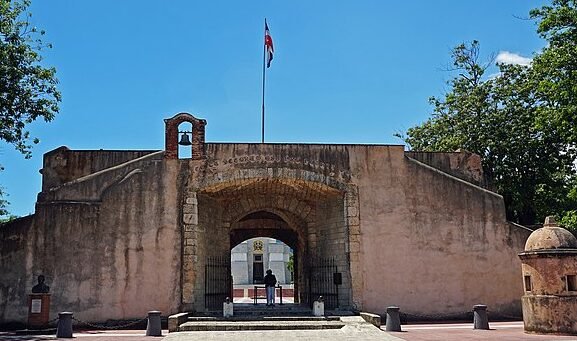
[(62, 165), (463, 165)]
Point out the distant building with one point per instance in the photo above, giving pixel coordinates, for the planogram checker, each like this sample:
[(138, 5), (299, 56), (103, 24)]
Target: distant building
[(250, 259)]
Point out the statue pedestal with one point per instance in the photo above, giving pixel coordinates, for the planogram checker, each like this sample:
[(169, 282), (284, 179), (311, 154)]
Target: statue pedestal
[(38, 310)]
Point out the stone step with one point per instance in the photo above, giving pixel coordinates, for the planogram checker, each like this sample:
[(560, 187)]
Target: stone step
[(262, 310), (262, 318), (259, 325)]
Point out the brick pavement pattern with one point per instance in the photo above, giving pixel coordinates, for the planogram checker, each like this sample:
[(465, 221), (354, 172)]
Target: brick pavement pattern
[(355, 330), (502, 331)]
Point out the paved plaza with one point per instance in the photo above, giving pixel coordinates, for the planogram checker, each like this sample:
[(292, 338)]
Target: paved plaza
[(355, 330)]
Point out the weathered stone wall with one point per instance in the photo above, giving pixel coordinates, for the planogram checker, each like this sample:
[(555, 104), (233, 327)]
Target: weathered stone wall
[(16, 282), (302, 184), (108, 255), (332, 236), (544, 314), (135, 236), (463, 165), (63, 165), (432, 243)]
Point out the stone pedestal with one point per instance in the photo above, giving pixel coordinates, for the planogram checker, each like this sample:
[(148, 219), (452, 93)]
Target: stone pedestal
[(319, 308), (38, 310), (228, 308)]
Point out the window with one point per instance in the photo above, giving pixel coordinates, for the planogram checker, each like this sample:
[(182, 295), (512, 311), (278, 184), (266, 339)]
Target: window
[(258, 258), (571, 282), (527, 283)]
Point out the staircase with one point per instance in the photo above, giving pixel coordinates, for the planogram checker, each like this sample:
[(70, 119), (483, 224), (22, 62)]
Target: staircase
[(260, 317)]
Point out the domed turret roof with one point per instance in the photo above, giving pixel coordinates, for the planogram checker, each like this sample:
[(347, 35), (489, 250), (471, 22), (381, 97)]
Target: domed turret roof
[(550, 236)]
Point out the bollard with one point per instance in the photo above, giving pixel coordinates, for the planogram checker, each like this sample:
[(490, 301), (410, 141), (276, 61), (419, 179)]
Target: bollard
[(227, 308), (64, 328), (393, 320), (153, 326), (480, 320), (319, 307)]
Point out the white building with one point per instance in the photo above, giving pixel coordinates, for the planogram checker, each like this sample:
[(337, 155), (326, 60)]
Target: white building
[(251, 258)]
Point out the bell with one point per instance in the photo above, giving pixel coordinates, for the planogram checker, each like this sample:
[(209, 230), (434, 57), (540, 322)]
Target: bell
[(184, 140)]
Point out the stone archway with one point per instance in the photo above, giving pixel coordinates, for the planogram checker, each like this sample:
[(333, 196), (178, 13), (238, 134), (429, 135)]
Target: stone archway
[(266, 224), (315, 212)]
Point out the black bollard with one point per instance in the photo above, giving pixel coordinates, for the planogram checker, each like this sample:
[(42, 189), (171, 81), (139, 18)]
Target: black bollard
[(480, 320), (64, 329), (153, 327), (393, 320)]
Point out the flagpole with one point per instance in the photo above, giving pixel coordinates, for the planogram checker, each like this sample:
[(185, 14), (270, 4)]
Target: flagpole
[(263, 84)]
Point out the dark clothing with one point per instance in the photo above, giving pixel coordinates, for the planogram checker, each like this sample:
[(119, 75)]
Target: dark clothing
[(269, 280)]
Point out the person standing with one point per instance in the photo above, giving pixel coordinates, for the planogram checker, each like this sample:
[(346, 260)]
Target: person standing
[(269, 283)]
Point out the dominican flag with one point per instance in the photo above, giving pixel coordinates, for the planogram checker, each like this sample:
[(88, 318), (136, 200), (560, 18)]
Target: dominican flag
[(268, 45)]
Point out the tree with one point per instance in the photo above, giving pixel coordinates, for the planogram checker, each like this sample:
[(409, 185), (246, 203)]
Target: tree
[(523, 122), (290, 265), (497, 118), (3, 204), (556, 66), (27, 89)]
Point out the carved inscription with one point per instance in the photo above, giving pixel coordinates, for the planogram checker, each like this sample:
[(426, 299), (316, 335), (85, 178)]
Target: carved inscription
[(275, 160)]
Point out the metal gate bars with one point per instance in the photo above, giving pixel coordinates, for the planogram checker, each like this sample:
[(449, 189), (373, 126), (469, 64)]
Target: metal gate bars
[(324, 279), (217, 282)]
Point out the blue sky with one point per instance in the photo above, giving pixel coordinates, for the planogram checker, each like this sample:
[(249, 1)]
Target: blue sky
[(343, 71)]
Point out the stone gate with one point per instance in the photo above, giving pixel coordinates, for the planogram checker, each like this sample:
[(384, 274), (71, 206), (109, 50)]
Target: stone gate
[(119, 233)]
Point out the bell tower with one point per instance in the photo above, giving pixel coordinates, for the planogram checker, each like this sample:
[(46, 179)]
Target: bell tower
[(172, 134)]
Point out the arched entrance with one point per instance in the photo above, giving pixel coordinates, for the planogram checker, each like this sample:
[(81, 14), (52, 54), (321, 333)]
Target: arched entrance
[(308, 216), (251, 262)]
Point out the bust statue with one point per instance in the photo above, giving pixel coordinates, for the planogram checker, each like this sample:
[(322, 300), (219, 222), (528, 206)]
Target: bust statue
[(40, 288)]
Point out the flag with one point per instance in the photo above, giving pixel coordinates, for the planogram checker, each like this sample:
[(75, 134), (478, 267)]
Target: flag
[(268, 44)]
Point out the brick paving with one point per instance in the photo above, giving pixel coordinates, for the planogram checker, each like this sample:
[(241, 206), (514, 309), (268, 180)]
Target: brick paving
[(88, 335), (505, 331)]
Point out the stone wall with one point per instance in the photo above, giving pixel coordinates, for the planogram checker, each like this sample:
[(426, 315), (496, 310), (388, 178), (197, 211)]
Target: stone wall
[(16, 280), (332, 235), (134, 236), (63, 165), (461, 164), (432, 243), (107, 255)]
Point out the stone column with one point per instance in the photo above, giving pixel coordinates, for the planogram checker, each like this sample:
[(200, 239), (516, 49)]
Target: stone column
[(190, 248), (353, 247)]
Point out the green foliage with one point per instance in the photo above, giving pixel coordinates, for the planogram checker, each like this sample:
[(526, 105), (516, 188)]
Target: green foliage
[(27, 89), (290, 265), (555, 68), (3, 204), (6, 219), (569, 216), (569, 221), (527, 157)]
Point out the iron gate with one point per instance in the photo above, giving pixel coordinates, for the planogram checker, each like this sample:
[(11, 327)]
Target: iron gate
[(323, 281), (217, 282)]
